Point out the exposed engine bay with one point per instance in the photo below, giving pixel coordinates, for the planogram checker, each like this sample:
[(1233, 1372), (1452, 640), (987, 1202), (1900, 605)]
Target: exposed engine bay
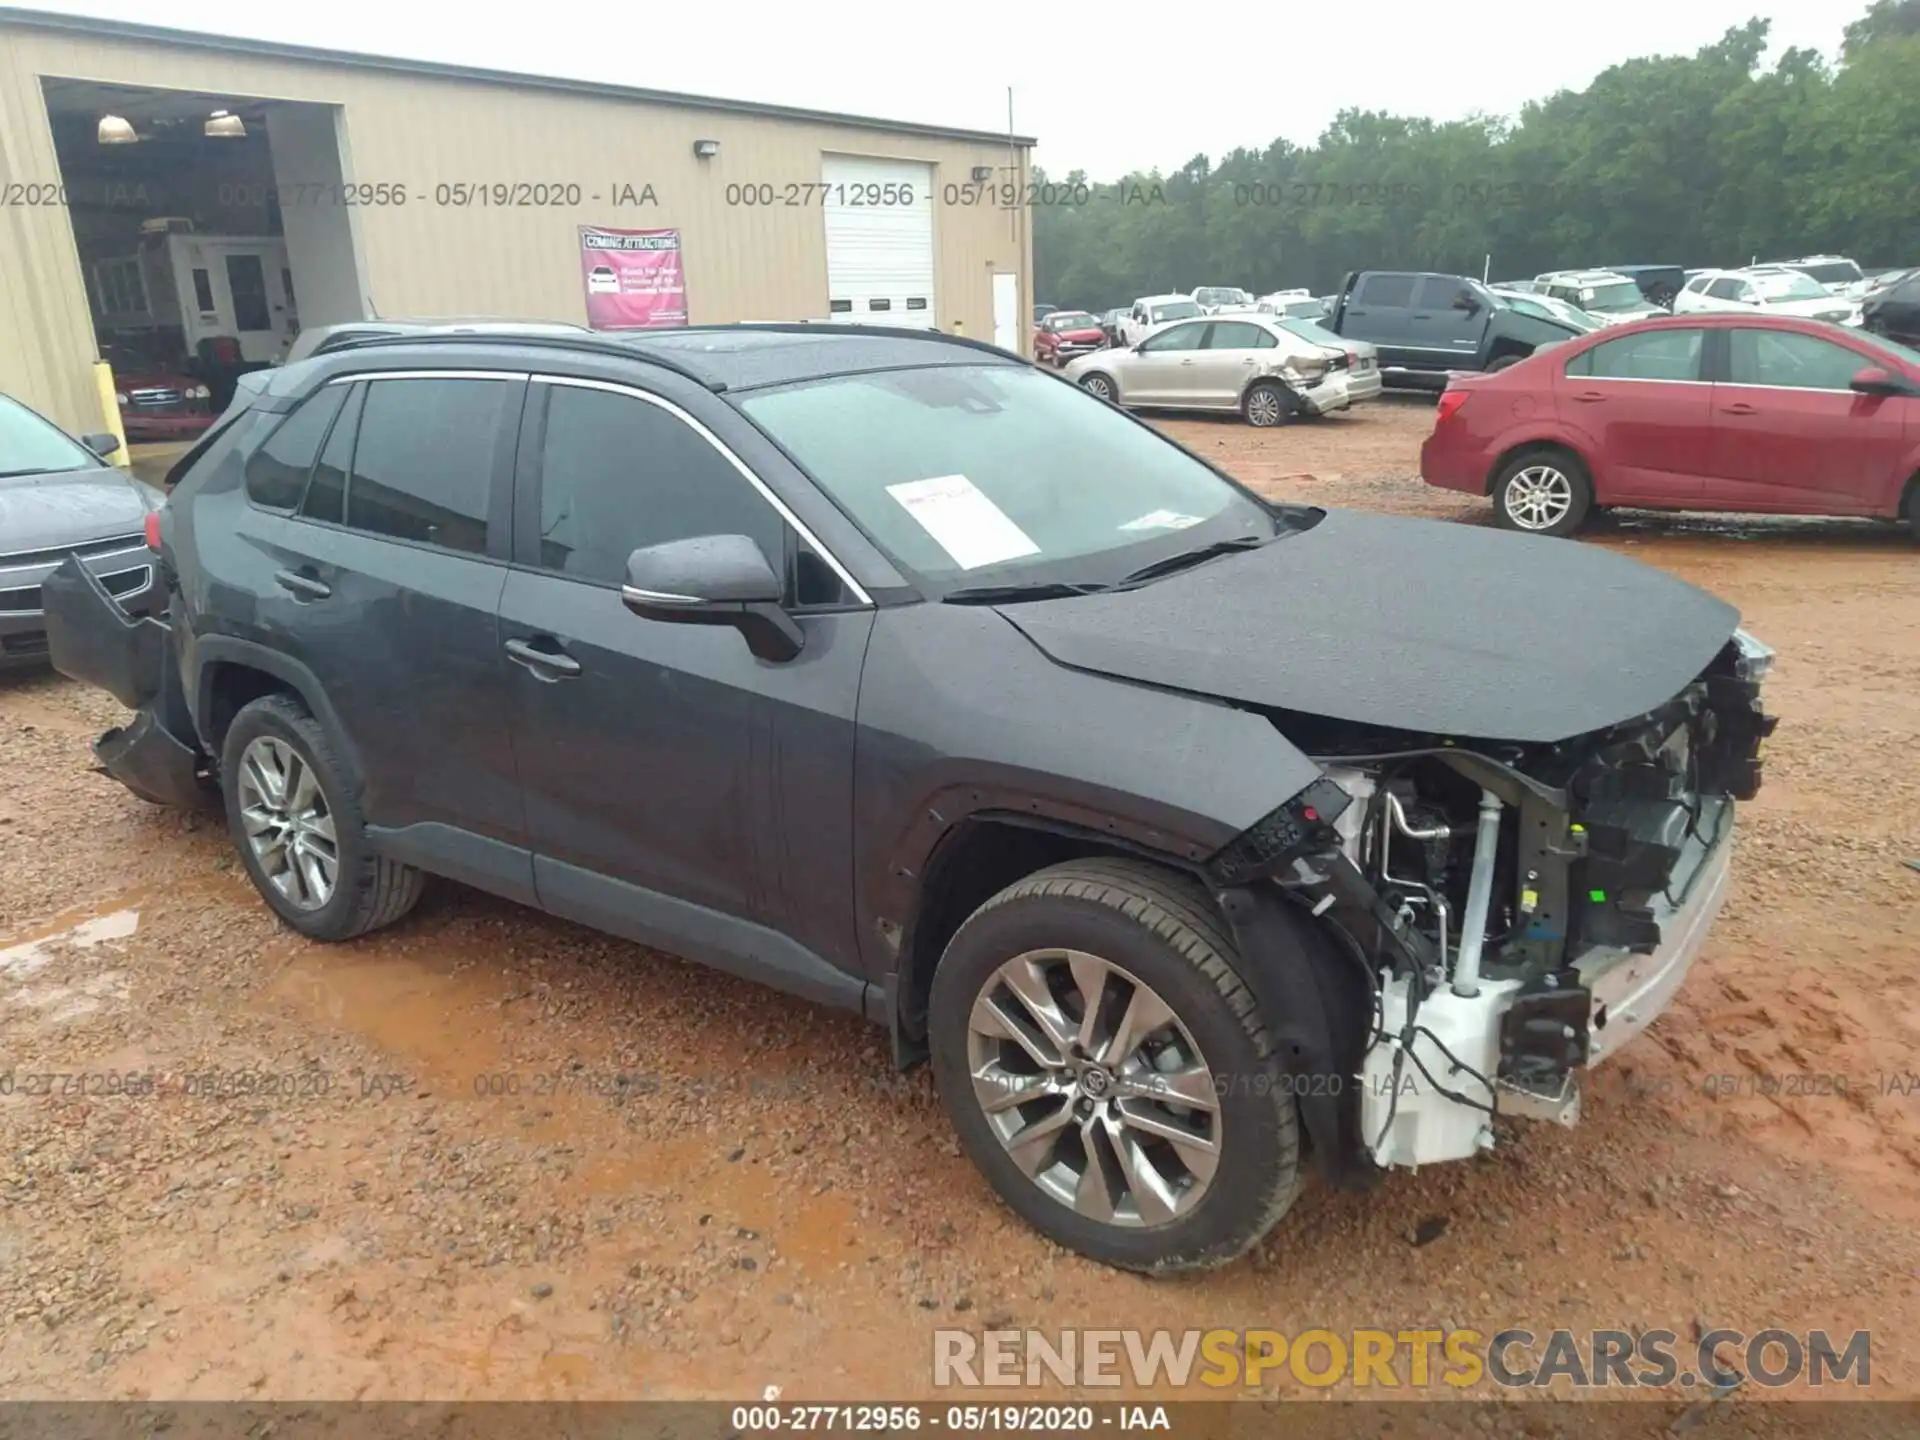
[(1520, 910)]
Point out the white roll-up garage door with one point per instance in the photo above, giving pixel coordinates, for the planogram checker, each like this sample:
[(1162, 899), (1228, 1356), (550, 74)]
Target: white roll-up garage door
[(879, 246)]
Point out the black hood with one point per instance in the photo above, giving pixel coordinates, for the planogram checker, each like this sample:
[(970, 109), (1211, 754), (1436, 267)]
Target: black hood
[(1405, 624)]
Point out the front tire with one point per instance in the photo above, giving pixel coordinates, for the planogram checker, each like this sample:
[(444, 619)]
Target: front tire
[(1100, 386), (1108, 1072), (1543, 492), (295, 819)]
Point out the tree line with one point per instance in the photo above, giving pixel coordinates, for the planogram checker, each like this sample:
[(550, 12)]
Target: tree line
[(1707, 159)]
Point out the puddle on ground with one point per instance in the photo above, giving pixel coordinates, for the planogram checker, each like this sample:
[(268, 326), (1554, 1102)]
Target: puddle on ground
[(42, 979), (454, 1028)]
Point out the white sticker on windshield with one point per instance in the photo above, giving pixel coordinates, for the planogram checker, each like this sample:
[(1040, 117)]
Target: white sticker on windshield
[(963, 521), (1162, 520)]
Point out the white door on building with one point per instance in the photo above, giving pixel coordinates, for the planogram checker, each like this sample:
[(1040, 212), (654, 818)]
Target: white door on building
[(879, 219), (1006, 310), (238, 286)]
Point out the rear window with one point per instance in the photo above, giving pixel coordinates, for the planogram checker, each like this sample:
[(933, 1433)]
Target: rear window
[(423, 462), (1651, 355)]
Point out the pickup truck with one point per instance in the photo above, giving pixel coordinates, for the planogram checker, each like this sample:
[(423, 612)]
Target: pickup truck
[(1426, 325)]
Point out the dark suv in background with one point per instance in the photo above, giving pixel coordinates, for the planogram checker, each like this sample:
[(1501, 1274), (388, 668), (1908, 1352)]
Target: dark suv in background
[(897, 672), (1425, 325)]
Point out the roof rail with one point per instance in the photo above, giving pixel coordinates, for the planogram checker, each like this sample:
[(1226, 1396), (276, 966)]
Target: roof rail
[(811, 327), (587, 343)]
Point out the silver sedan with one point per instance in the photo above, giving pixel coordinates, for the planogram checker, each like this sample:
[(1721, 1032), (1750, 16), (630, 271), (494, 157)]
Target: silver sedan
[(1253, 364)]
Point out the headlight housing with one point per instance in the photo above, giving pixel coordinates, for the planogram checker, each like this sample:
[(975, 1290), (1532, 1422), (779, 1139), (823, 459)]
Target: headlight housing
[(119, 397), (198, 392)]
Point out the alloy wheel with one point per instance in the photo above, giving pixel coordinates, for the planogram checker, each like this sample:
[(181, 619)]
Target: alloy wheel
[(1539, 497), (288, 823), (1099, 387), (1263, 408), (1094, 1087)]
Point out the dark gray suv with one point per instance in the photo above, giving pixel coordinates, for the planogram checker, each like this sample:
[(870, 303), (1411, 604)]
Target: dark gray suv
[(1183, 831)]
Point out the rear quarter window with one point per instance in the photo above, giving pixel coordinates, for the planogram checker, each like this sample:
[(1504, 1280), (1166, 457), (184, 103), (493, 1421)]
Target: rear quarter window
[(277, 471)]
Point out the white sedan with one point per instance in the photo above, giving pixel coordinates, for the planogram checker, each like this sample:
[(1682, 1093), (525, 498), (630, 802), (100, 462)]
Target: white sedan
[(1767, 290), (1244, 362)]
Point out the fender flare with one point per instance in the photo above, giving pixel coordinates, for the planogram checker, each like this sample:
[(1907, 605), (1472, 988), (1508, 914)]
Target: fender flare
[(211, 651)]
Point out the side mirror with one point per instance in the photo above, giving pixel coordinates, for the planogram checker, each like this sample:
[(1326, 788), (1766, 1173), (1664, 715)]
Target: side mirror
[(714, 580), (1875, 381), (103, 444)]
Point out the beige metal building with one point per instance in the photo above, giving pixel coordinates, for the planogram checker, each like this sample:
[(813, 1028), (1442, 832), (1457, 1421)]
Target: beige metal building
[(160, 187)]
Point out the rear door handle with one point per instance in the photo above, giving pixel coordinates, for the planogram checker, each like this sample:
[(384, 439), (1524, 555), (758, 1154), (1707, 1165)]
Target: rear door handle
[(1740, 407), (1587, 397), (1187, 361), (302, 585), (545, 664)]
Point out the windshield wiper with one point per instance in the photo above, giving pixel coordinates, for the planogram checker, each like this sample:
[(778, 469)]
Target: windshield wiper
[(1034, 590), (1187, 558)]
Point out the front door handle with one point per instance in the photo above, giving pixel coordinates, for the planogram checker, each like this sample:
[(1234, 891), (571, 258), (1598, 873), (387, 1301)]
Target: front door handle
[(1186, 362), (1740, 407), (302, 585), (545, 664)]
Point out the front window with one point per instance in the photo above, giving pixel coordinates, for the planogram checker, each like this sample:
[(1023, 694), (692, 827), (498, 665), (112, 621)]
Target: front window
[(996, 474), (1609, 298), (30, 445), (1178, 310), (1789, 286)]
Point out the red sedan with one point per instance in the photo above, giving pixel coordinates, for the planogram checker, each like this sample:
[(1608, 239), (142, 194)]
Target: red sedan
[(1065, 335), (1746, 413)]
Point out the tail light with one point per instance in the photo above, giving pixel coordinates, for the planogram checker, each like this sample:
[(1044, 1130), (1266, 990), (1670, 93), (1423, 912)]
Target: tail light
[(1450, 401), (153, 531)]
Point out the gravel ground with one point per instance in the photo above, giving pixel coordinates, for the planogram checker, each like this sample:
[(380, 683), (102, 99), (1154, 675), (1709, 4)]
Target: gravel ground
[(487, 1154)]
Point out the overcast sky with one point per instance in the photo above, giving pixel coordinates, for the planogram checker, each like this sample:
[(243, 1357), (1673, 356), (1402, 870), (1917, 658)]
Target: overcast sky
[(1105, 88)]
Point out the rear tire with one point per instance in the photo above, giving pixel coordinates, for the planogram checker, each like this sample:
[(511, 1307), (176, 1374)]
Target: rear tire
[(1107, 1164), (294, 816), (1911, 509), (1268, 404), (1543, 492)]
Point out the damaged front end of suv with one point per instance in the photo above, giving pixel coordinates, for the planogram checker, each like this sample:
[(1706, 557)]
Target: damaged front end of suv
[(1507, 915)]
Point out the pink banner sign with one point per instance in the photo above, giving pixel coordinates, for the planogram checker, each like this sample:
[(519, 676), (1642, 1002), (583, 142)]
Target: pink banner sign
[(634, 279)]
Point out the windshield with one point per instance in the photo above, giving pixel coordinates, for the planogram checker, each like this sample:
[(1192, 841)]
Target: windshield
[(1791, 286), (1072, 320), (1906, 354), (976, 474), (1831, 272), (1178, 310), (30, 445), (1543, 308), (1615, 295)]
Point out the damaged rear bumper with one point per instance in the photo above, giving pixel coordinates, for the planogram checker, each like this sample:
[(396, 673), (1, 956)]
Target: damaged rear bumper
[(91, 639)]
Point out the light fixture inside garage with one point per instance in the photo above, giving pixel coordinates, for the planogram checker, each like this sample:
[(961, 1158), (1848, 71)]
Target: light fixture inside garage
[(225, 125), (115, 130), (706, 149)]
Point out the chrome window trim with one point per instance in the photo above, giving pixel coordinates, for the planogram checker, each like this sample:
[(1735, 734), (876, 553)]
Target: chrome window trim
[(780, 507)]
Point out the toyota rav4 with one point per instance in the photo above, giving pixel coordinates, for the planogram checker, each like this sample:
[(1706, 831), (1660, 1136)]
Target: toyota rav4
[(1185, 832)]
